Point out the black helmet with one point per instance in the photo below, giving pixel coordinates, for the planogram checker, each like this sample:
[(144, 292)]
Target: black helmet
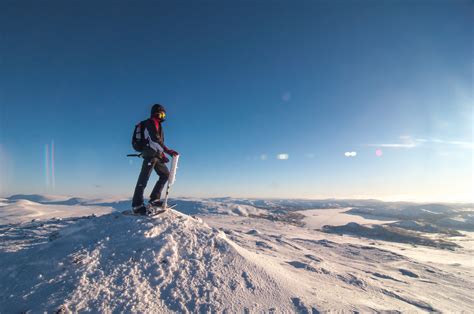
[(157, 108)]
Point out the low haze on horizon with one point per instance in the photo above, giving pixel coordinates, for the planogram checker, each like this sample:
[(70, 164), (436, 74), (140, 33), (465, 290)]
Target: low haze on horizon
[(267, 99)]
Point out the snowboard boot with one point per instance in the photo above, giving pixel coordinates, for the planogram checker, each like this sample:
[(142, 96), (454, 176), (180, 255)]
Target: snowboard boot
[(155, 203), (139, 210), (155, 207)]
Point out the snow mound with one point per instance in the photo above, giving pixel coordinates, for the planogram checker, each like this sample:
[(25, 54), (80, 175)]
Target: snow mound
[(126, 263)]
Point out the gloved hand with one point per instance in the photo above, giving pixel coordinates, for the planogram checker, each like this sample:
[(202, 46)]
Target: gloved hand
[(163, 158), (171, 152)]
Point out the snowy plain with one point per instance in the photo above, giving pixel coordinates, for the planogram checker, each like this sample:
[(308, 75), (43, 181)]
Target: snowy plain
[(71, 254)]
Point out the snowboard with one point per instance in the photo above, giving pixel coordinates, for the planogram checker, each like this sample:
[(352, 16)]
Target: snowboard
[(154, 211), (151, 211)]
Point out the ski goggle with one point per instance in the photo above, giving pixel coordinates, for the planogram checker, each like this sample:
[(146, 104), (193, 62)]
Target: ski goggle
[(161, 115)]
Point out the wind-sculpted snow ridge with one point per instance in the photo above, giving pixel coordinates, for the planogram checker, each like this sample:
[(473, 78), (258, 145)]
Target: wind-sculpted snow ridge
[(117, 262)]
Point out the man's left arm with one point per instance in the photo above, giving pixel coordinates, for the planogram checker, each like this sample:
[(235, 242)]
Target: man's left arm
[(169, 151)]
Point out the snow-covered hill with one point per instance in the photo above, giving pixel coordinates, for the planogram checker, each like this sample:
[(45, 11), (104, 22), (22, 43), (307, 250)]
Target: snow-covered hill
[(128, 263), (18, 210), (234, 262)]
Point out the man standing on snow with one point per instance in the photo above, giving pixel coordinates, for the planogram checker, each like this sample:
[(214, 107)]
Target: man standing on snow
[(153, 158)]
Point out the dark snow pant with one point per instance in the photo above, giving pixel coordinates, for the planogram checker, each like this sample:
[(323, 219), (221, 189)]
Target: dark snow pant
[(161, 170)]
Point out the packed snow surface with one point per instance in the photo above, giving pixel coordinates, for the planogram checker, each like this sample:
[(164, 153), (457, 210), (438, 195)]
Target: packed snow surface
[(220, 260), (122, 262)]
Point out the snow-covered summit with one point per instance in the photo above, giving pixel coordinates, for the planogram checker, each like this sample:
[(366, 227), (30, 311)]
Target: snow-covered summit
[(135, 264)]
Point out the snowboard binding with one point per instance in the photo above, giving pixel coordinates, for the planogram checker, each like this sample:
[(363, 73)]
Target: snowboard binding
[(153, 210)]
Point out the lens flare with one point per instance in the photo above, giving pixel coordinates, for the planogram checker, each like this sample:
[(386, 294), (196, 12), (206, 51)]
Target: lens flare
[(286, 96), (46, 165), (53, 176), (49, 169)]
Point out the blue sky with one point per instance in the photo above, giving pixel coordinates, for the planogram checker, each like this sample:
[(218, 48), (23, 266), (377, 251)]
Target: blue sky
[(243, 81)]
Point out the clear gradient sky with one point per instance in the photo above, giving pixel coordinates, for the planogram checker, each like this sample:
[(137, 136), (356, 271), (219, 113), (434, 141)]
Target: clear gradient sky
[(243, 81)]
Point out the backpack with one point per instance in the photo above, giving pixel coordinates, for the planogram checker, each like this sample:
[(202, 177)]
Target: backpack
[(138, 138)]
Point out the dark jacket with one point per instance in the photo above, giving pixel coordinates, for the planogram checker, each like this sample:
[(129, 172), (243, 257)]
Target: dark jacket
[(155, 138)]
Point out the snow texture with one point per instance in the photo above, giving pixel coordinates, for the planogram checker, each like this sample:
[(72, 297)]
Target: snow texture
[(233, 257)]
